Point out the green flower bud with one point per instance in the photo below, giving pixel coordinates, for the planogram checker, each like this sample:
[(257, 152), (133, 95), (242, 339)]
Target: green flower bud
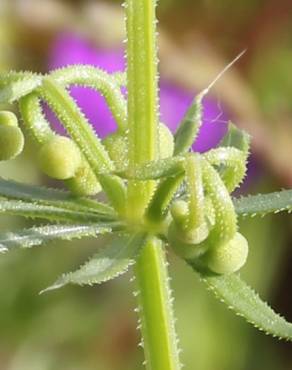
[(228, 257), (166, 142), (84, 183), (59, 158), (11, 142)]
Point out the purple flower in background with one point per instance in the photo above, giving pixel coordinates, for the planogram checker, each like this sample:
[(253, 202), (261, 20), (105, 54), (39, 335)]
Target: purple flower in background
[(71, 49)]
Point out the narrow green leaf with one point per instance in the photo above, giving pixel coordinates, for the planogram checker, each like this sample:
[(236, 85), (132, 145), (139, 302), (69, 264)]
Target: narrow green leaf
[(233, 167), (116, 191), (34, 119), (156, 170), (35, 236), (107, 264), (189, 127), (99, 80), (17, 190), (242, 299), (51, 197), (236, 138), (162, 197), (80, 130), (76, 124), (120, 78), (14, 85), (48, 212), (196, 198), (226, 222), (261, 204)]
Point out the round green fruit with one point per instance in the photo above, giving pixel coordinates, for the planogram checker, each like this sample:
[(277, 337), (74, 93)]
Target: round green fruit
[(59, 158), (11, 142), (228, 257), (8, 119)]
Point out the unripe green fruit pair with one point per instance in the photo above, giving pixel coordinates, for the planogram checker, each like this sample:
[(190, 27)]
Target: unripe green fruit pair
[(223, 259), (117, 146), (59, 158), (11, 137)]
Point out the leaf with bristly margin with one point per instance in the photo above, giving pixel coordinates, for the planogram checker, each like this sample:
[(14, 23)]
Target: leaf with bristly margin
[(14, 85), (115, 190), (233, 172), (162, 197), (52, 197), (261, 204), (35, 236), (245, 302), (108, 85), (107, 264), (189, 127), (236, 138), (47, 212), (156, 170)]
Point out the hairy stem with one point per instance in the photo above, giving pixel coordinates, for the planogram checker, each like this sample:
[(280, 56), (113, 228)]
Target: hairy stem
[(154, 294), (142, 97), (155, 309)]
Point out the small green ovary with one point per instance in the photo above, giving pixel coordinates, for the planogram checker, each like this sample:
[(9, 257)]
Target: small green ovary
[(59, 158)]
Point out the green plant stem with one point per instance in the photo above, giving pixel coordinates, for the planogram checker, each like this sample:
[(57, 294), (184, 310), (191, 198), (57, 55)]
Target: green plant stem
[(155, 308), (157, 322), (142, 97)]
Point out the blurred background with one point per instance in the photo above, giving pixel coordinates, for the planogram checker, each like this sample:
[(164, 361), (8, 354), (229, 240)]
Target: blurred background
[(95, 328)]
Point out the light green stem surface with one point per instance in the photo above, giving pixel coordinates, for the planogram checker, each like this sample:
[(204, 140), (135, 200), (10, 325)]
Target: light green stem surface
[(155, 308), (156, 313), (142, 96)]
